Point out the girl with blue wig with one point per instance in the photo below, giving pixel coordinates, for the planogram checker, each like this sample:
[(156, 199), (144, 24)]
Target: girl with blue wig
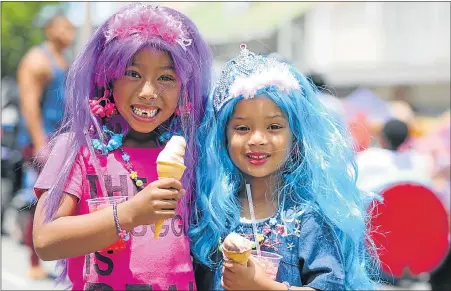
[(265, 127)]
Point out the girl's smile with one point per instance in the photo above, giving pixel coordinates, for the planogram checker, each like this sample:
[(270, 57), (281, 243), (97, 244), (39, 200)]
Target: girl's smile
[(144, 113), (257, 159)]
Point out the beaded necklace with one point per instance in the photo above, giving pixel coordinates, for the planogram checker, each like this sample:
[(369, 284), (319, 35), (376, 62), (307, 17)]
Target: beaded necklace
[(133, 174), (114, 143)]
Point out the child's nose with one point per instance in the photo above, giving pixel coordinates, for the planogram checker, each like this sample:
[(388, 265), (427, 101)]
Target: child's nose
[(257, 138), (148, 91)]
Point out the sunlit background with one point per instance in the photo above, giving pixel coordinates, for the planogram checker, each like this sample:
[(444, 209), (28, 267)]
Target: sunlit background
[(381, 59), (377, 45)]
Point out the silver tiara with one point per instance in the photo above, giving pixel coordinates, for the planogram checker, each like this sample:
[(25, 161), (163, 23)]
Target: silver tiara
[(248, 73)]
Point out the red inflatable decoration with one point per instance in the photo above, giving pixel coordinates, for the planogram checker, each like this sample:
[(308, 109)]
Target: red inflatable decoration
[(410, 230)]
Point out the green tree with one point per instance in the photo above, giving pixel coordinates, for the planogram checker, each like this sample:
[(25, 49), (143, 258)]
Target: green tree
[(19, 32)]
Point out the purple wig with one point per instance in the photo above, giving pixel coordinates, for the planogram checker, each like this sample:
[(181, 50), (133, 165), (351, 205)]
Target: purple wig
[(104, 61)]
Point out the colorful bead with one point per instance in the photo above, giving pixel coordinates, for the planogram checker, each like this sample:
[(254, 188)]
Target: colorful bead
[(116, 143), (109, 109), (133, 175), (101, 147), (260, 237), (126, 157), (124, 235)]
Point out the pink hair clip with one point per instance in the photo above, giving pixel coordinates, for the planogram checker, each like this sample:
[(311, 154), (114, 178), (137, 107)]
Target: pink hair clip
[(103, 111), (148, 20)]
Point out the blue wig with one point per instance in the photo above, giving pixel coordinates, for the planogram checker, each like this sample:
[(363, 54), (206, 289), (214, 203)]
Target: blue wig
[(320, 176)]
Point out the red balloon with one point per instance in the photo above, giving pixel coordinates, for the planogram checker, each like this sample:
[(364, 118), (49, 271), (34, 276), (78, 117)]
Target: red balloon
[(410, 229)]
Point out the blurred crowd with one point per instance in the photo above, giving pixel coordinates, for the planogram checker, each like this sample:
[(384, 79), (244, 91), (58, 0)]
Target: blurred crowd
[(393, 144), (405, 158)]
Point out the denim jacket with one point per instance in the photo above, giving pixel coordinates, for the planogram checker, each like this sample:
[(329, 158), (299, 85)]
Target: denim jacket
[(309, 249)]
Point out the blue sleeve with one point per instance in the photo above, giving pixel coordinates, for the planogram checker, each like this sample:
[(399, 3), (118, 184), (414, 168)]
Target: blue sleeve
[(320, 258)]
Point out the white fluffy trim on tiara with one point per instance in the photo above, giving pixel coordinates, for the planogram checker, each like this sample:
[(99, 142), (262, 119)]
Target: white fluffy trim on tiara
[(248, 86)]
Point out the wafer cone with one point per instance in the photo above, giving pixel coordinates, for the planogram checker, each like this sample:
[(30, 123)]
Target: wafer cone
[(170, 170), (167, 170), (240, 258)]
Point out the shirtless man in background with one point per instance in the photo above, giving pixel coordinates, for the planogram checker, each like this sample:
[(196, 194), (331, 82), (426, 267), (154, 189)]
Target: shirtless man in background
[(40, 78)]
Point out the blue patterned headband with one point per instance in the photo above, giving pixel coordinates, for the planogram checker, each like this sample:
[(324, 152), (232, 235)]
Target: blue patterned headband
[(248, 73)]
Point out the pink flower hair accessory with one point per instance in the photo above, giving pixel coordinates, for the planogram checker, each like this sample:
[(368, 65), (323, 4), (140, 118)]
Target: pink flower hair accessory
[(103, 111), (148, 20)]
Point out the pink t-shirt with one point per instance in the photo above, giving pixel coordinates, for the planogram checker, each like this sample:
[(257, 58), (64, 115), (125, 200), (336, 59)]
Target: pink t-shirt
[(146, 263)]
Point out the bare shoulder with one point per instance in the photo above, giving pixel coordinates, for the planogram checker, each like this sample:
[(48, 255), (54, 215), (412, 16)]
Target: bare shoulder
[(36, 61)]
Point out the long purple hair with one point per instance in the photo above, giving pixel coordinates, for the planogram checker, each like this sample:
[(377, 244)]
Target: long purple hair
[(101, 63)]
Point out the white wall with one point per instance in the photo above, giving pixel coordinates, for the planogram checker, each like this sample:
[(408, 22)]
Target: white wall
[(379, 43)]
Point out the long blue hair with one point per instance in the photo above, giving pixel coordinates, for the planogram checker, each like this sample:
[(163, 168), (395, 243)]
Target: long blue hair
[(321, 175)]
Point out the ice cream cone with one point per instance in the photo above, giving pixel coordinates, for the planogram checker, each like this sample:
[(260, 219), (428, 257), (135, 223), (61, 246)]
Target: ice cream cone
[(170, 170), (158, 227), (240, 258), (167, 170)]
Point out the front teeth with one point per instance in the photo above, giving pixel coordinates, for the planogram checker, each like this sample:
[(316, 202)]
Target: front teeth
[(258, 157), (145, 112)]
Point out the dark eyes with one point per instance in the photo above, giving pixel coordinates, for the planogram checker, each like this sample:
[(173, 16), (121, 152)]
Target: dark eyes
[(244, 128), (132, 74), (275, 127), (166, 78), (136, 75)]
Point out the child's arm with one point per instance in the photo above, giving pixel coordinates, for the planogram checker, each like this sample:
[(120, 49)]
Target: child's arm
[(251, 277), (70, 236)]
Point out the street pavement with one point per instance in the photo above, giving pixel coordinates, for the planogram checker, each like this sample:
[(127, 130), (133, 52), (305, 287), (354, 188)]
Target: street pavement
[(15, 260)]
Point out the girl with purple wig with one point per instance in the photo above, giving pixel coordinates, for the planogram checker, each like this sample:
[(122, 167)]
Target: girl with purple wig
[(143, 76)]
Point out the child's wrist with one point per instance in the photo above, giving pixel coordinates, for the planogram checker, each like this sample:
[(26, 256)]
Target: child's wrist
[(269, 284), (125, 216), (274, 285)]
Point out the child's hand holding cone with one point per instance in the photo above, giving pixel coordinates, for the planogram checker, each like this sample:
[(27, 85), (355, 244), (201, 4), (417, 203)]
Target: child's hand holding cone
[(237, 248), (157, 201)]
